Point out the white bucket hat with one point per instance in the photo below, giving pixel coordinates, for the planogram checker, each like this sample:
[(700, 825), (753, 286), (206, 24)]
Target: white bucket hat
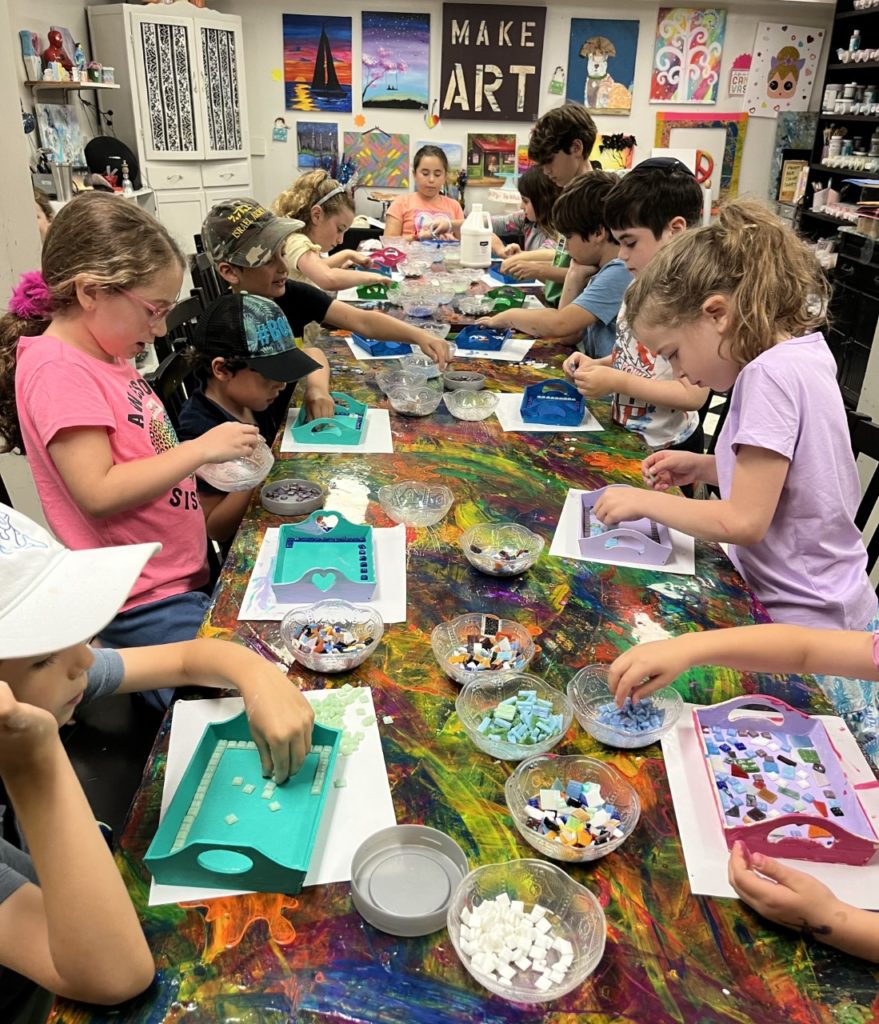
[(51, 597)]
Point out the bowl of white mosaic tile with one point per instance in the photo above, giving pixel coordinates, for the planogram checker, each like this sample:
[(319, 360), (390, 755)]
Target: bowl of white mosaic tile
[(526, 930)]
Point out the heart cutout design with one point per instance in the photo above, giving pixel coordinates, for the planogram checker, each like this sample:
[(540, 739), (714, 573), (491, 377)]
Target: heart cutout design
[(323, 580), (327, 522)]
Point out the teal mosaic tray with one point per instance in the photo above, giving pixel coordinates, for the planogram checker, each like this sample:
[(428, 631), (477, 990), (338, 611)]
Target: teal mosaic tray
[(346, 427), (324, 556)]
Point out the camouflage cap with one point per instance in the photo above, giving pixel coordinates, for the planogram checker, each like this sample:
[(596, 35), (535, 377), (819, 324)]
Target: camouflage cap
[(244, 233)]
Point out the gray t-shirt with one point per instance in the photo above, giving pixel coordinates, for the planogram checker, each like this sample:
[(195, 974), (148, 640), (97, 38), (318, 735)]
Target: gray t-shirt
[(16, 869)]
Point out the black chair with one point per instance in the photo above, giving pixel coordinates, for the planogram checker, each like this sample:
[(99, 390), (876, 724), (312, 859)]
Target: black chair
[(864, 435), (206, 278), (173, 382), (717, 404), (181, 323)]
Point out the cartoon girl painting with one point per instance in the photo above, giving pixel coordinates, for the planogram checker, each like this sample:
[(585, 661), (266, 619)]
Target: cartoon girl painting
[(784, 73)]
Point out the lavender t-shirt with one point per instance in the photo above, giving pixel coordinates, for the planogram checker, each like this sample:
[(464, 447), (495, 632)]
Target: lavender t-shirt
[(810, 568)]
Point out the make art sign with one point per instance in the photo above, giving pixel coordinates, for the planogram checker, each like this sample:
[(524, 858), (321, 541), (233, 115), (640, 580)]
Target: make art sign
[(491, 62)]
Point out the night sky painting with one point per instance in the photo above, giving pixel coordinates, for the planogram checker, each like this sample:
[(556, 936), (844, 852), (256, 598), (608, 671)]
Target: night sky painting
[(396, 60), (317, 63)]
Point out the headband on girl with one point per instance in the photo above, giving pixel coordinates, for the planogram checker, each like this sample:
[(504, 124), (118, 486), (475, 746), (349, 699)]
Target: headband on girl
[(337, 191), (31, 298)]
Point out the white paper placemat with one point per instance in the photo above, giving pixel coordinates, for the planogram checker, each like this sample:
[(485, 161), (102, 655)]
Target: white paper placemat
[(513, 351), (564, 543), (376, 437), (351, 813), (508, 412), (389, 600), (705, 849), (495, 283), (361, 353)]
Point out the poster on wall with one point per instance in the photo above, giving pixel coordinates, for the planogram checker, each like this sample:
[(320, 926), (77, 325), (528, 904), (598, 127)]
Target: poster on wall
[(491, 159), (379, 158), (317, 63), (523, 161), (395, 60), (783, 69), (601, 64), (686, 57), (491, 61), (317, 145)]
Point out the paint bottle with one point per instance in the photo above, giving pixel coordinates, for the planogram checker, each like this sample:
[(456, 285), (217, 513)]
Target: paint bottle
[(476, 238), (855, 42)]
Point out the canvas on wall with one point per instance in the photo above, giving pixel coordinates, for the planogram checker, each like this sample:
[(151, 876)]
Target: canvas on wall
[(395, 60), (317, 63), (601, 64), (317, 145), (491, 159), (379, 158), (783, 69), (491, 62), (686, 57)]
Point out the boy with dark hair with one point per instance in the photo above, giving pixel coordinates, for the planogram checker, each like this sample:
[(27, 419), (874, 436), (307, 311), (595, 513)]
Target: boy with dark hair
[(587, 311), (650, 206)]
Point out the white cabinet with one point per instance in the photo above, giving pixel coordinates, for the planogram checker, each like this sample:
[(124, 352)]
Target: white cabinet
[(182, 105)]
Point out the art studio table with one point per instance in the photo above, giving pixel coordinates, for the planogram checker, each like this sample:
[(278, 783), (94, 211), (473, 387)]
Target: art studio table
[(268, 959)]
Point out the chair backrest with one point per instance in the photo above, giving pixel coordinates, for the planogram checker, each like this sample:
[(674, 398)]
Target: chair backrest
[(172, 381), (865, 445), (181, 323), (206, 278)]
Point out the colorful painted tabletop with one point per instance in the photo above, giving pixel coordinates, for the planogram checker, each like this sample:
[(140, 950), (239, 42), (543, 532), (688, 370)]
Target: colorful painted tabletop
[(670, 957)]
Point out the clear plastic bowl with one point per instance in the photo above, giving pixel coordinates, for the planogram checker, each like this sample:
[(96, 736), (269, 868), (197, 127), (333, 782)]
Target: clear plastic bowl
[(420, 400), (483, 543), (471, 405), (463, 380), (414, 267), (483, 693), (415, 503), (239, 474), (423, 305), (420, 363), (476, 305), (387, 380), (540, 772), (364, 622), (434, 326), (588, 692), (452, 634), (574, 913)]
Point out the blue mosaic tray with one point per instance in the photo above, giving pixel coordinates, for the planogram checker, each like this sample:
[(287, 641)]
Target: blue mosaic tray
[(555, 402)]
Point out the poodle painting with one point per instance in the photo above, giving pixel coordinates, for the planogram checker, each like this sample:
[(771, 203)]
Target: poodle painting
[(601, 64)]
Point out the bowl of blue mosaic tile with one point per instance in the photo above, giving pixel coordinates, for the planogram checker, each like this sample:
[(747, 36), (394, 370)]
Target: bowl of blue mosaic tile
[(512, 715), (636, 724), (596, 809)]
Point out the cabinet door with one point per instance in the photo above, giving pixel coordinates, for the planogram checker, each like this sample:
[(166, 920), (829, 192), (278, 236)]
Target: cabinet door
[(219, 57), (182, 213), (167, 85)]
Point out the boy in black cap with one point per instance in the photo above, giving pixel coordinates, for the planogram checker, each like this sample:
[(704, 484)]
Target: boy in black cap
[(245, 355)]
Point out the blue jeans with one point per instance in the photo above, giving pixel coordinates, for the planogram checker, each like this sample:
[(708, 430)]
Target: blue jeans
[(162, 622)]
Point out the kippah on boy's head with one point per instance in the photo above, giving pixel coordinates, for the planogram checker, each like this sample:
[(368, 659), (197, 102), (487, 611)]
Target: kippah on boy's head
[(244, 233), (653, 194)]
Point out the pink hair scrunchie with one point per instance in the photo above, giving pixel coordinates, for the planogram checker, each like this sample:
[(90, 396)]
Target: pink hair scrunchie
[(31, 298)]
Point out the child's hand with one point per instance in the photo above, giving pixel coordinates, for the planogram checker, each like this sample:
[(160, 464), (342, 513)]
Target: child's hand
[(786, 896), (27, 733), (280, 720), (435, 348), (319, 404), (510, 250), (664, 469), (575, 361), (500, 321), (521, 269), (352, 258), (645, 668), (227, 441), (619, 504), (595, 381)]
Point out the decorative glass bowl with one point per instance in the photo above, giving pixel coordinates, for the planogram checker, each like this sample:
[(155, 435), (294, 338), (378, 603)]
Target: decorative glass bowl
[(476, 305), (418, 362), (422, 305), (414, 267), (448, 636), (414, 503), (589, 693), (387, 380), (471, 405), (420, 400), (364, 623), (540, 772), (239, 474), (573, 912), (464, 380), (434, 326), (482, 694), (501, 549)]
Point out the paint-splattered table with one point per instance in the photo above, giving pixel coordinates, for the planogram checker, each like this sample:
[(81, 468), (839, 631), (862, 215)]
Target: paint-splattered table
[(267, 959)]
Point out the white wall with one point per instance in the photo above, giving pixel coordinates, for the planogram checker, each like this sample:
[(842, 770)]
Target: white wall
[(263, 49)]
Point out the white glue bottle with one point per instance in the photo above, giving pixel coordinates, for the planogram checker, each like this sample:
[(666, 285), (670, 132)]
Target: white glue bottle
[(476, 238)]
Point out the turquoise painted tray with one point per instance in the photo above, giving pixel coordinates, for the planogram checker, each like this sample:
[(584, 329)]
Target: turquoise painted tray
[(345, 428), (324, 556), (226, 830)]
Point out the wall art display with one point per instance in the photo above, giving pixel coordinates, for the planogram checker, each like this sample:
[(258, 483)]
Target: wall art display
[(491, 61), (522, 160), (601, 64), (738, 75), (783, 69), (395, 60), (491, 159), (317, 63), (686, 57), (735, 126), (60, 132), (317, 145), (794, 129), (379, 158)]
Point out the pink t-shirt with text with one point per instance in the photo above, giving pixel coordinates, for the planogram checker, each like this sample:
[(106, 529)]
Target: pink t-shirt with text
[(58, 387)]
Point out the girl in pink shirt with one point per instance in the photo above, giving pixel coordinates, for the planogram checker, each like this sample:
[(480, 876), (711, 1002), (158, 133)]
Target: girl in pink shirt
[(426, 213)]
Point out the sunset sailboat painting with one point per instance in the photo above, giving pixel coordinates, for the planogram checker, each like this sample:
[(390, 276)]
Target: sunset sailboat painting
[(317, 63)]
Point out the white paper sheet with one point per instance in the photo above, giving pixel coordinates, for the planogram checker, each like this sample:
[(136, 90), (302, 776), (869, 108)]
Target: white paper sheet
[(351, 813), (361, 353), (511, 419), (376, 437), (564, 543), (493, 282), (705, 849), (514, 350), (389, 600)]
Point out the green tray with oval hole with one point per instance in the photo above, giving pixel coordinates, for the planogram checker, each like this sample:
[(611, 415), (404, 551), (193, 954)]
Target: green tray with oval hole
[(263, 850), (345, 428)]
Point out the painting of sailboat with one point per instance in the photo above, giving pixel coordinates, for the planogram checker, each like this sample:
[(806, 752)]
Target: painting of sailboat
[(317, 63)]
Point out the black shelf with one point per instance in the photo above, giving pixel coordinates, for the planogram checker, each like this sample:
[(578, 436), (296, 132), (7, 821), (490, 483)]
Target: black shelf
[(826, 218), (854, 65), (857, 14), (856, 118), (846, 172)]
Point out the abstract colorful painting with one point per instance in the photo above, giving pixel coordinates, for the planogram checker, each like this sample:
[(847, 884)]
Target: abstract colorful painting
[(378, 158), (395, 60), (317, 144), (738, 75), (783, 69), (601, 64), (317, 63), (523, 162), (686, 58), (735, 126), (491, 159)]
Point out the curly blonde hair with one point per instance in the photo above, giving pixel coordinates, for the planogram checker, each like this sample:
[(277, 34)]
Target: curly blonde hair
[(306, 192), (774, 283), (102, 238)]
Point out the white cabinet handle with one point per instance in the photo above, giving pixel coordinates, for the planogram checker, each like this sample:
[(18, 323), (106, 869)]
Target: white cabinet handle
[(228, 174), (173, 177)]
